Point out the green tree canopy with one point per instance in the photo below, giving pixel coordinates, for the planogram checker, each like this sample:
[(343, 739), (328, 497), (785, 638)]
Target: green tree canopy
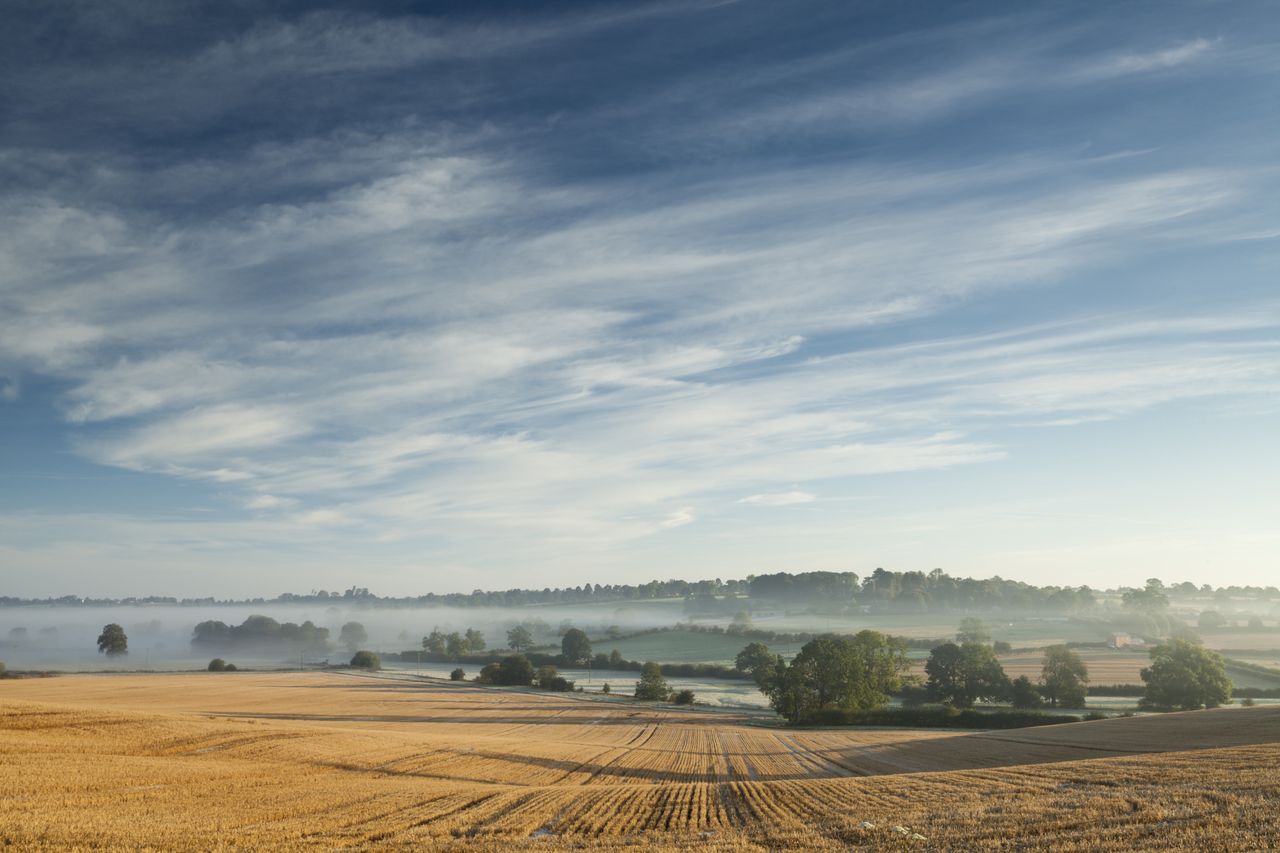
[(1023, 694), (832, 671), (112, 641), (353, 636), (1184, 676), (973, 630), (1150, 599), (1211, 619), (520, 638), (576, 647), (961, 675), (434, 642), (756, 661), (455, 645), (366, 659), (1063, 675), (513, 670), (652, 686)]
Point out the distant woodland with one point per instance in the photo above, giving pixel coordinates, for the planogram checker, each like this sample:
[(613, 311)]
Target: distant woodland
[(882, 590)]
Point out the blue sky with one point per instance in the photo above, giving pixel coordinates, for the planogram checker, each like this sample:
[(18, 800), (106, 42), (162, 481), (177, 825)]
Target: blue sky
[(446, 296)]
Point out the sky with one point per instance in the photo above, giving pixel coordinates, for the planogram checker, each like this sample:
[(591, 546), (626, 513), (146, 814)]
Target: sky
[(443, 296)]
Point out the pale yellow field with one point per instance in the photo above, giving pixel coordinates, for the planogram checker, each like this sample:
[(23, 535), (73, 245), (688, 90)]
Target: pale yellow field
[(293, 761), (1105, 666)]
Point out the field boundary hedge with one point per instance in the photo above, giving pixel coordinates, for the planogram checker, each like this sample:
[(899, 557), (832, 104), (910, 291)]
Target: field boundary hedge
[(936, 718)]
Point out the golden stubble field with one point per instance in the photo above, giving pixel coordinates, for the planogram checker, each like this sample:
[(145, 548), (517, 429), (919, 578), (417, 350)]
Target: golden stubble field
[(303, 761)]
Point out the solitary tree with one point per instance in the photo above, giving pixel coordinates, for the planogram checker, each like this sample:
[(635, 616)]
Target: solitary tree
[(368, 660), (217, 665), (1185, 676), (961, 675), (652, 686), (353, 636), (575, 647), (520, 638), (973, 630), (1064, 676), (112, 641), (1211, 620)]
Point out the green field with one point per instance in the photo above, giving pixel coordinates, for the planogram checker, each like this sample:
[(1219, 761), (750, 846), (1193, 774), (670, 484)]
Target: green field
[(683, 647)]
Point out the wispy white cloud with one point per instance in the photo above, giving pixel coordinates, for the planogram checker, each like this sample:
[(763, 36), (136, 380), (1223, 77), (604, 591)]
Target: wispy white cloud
[(779, 499), (1118, 65), (435, 331), (680, 517)]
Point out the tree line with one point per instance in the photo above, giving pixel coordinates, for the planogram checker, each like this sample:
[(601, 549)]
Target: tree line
[(913, 589), (861, 672)]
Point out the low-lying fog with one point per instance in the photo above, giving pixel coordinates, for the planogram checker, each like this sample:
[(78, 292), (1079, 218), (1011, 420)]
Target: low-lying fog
[(65, 638)]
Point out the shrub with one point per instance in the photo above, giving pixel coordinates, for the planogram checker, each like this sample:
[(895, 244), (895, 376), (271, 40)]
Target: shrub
[(513, 670), (683, 697), (367, 660), (652, 687), (217, 665), (545, 675), (230, 668), (604, 689), (458, 674), (1246, 702)]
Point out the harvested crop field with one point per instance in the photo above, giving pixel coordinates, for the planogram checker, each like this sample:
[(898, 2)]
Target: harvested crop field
[(301, 761)]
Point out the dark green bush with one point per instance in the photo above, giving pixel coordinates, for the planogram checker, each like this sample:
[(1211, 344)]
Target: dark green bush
[(683, 697), (458, 674), (367, 660), (512, 670), (217, 665)]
